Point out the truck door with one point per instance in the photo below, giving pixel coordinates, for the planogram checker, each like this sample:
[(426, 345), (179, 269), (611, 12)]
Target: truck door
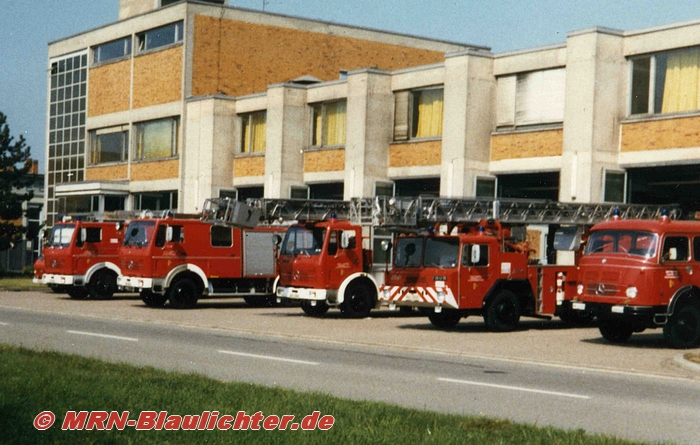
[(675, 257), (343, 256), (475, 276)]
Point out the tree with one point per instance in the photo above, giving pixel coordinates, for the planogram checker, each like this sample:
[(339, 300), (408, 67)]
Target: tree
[(15, 164)]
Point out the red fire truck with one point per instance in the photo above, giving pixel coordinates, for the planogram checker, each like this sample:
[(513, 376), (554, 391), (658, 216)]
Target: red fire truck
[(181, 258), (322, 261), (484, 268), (81, 257), (637, 275)]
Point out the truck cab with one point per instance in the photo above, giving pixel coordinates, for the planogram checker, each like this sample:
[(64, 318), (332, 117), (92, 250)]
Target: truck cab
[(641, 274), (322, 264), (81, 258)]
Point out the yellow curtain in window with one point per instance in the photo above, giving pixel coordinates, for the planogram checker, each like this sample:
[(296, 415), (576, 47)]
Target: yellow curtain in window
[(258, 121), (682, 78), (430, 105), (334, 128)]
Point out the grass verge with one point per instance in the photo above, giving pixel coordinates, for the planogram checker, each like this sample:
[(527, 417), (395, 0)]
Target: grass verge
[(20, 283), (33, 382)]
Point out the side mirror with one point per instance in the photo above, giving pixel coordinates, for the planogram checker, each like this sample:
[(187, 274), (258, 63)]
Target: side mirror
[(276, 239), (386, 245), (475, 254), (344, 240), (168, 234)]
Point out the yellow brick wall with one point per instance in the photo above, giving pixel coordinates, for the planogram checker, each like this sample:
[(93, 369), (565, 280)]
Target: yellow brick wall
[(661, 134), (415, 154), (149, 171), (107, 173), (324, 161), (109, 88), (535, 144), (249, 166), (158, 77), (239, 58)]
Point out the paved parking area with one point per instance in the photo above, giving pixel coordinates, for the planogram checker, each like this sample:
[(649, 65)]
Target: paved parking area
[(548, 342)]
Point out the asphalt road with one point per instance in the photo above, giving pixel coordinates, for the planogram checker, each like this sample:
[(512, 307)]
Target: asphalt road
[(356, 359)]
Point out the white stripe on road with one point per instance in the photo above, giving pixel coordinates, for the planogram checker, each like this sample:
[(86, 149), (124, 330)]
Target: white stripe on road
[(113, 337), (515, 388), (4, 324), (269, 357)]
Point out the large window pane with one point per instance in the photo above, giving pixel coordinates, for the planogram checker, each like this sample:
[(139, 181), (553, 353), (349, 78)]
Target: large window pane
[(254, 130), (329, 123), (427, 113), (157, 139), (109, 147), (641, 70), (163, 36), (112, 50)]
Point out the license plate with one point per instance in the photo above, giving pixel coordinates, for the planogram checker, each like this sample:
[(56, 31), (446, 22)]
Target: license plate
[(579, 306), (618, 309)]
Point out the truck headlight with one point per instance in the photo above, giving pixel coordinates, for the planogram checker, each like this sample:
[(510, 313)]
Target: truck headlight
[(631, 292), (440, 296), (579, 289)]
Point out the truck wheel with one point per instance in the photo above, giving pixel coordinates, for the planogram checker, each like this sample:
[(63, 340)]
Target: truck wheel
[(615, 332), (152, 299), (447, 319), (77, 293), (314, 311), (358, 301), (503, 312), (103, 285), (682, 331), (183, 294), (260, 300)]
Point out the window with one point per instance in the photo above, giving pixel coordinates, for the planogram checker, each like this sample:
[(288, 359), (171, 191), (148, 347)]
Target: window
[(157, 139), (485, 187), (676, 248), (155, 201), (300, 240), (298, 192), (418, 114), (408, 252), (221, 236), (441, 252), (168, 2), (475, 255), (115, 49), (328, 126), (109, 145), (158, 37), (614, 183), (666, 82), (253, 129), (531, 98)]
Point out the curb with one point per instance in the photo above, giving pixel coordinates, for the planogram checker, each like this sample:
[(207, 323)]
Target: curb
[(687, 363)]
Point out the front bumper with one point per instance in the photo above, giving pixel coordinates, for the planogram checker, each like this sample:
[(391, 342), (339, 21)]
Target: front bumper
[(649, 316), (136, 282), (64, 280), (301, 293)]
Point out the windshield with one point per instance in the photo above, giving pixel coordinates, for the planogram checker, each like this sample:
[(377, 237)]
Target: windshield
[(302, 240), (441, 252), (139, 233), (408, 252), (631, 242), (61, 235)]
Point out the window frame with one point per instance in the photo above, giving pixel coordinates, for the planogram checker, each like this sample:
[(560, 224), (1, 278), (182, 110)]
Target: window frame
[(139, 142), (127, 50), (511, 99), (142, 38), (246, 120), (94, 142), (323, 106)]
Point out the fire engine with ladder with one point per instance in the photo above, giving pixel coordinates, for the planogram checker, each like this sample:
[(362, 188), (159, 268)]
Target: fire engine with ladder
[(181, 258), (475, 259), (638, 275), (80, 255)]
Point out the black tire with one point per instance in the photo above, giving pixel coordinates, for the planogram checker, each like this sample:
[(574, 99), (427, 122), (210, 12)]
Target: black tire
[(77, 293), (503, 312), (103, 284), (615, 332), (183, 294), (151, 299), (682, 330), (319, 310), (260, 300), (359, 301), (445, 319)]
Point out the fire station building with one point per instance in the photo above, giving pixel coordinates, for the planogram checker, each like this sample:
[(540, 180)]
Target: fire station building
[(179, 101)]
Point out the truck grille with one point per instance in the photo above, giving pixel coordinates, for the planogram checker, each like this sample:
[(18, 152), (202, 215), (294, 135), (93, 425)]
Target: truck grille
[(601, 289)]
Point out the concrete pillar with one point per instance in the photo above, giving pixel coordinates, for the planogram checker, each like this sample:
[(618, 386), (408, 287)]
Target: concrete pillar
[(596, 73), (468, 121), (287, 135), (209, 145), (369, 131)]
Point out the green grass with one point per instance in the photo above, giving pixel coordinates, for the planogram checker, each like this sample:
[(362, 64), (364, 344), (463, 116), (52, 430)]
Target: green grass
[(20, 283), (32, 382)]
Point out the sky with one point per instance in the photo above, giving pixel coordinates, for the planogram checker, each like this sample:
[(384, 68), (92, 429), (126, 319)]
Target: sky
[(27, 27)]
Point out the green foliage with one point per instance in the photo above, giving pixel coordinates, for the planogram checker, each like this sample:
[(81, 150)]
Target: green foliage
[(33, 382), (14, 178)]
